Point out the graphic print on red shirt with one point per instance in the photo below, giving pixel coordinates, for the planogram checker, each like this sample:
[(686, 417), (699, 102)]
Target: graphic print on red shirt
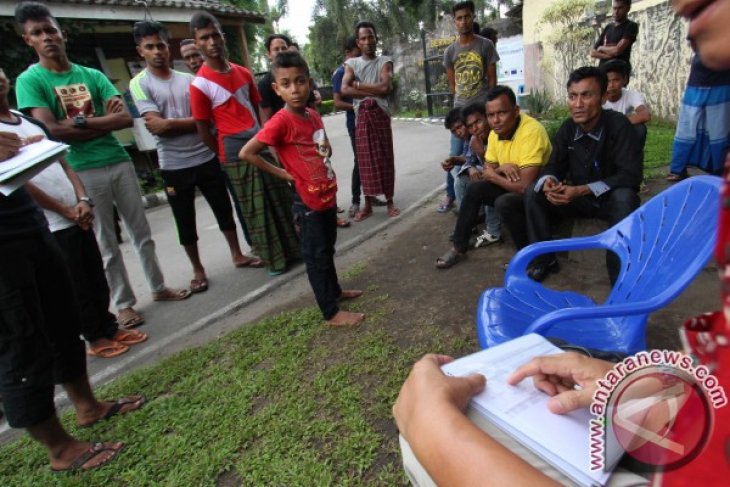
[(303, 150)]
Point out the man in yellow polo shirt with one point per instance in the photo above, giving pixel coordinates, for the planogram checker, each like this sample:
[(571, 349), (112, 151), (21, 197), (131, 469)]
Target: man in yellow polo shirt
[(518, 147)]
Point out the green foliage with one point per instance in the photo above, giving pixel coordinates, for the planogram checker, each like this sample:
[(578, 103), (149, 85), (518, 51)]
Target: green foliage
[(327, 106), (538, 102), (285, 401), (570, 36)]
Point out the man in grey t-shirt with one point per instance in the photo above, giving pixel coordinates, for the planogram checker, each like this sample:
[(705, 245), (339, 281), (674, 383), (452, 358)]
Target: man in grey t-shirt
[(471, 61), (162, 96), (471, 69), (368, 80)]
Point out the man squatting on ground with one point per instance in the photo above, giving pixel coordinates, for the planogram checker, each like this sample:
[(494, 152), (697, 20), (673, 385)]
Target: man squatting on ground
[(67, 208), (50, 91), (186, 163), (225, 94), (518, 147), (369, 80), (596, 150), (40, 346), (297, 133), (194, 60), (471, 69)]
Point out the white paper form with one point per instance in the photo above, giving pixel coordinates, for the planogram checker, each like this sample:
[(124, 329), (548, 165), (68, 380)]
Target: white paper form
[(522, 412)]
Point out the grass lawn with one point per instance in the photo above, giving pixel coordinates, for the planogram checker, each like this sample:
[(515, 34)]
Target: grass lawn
[(286, 401), (658, 149)]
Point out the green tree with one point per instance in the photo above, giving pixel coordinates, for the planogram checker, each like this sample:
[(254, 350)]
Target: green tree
[(570, 37)]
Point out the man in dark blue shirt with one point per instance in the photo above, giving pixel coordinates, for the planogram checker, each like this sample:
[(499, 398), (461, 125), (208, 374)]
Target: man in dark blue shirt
[(594, 171), (345, 103)]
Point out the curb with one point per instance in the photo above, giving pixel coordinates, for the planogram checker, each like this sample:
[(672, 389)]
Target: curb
[(433, 120), (255, 294), (108, 373)]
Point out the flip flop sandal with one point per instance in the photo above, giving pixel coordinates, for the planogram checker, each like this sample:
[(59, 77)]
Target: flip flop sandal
[(171, 295), (449, 259), (129, 319), (342, 223), (114, 349), (362, 215), (116, 409), (253, 262), (130, 337), (94, 451), (393, 211), (198, 285)]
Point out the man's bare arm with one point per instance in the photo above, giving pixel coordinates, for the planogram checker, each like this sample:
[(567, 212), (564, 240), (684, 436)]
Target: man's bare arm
[(641, 114), (203, 127), (618, 49), (95, 126), (384, 86), (492, 75), (350, 87), (168, 127), (341, 104), (451, 77)]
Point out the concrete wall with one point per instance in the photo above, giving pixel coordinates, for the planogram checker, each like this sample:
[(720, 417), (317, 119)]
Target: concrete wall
[(660, 57)]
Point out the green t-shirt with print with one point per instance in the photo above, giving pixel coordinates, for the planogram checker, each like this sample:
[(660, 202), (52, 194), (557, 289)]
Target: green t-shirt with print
[(79, 90)]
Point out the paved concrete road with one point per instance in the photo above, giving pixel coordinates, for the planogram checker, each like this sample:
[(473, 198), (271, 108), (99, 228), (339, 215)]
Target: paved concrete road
[(419, 147)]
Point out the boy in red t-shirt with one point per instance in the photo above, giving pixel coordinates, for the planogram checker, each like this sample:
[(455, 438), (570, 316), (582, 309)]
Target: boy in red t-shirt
[(298, 135)]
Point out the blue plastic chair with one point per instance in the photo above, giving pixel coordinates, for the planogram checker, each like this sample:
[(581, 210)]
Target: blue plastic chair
[(662, 246)]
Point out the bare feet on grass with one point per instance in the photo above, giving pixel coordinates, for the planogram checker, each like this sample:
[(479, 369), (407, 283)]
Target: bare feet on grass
[(345, 318), (350, 294)]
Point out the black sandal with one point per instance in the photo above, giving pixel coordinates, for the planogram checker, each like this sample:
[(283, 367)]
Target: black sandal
[(449, 259)]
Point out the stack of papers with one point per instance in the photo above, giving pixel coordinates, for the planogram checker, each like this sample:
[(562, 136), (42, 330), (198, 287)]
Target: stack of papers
[(521, 411), (31, 160)]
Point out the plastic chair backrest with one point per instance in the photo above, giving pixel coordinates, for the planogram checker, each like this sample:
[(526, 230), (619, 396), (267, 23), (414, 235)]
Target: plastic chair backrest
[(665, 243)]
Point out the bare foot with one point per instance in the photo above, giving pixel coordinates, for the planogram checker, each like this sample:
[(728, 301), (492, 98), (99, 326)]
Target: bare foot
[(171, 294), (350, 294), (345, 318), (393, 211), (246, 261), (85, 456)]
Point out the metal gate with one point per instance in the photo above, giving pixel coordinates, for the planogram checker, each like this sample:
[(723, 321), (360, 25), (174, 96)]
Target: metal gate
[(439, 99)]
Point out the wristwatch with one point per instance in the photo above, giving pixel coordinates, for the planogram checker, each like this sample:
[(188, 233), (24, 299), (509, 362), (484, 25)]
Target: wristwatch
[(79, 121), (87, 200)]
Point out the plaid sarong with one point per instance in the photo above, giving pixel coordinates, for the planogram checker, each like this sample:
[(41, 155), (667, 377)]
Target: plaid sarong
[(374, 143), (266, 203)]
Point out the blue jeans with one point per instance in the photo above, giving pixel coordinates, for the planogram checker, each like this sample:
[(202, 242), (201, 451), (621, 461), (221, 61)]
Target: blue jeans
[(456, 149)]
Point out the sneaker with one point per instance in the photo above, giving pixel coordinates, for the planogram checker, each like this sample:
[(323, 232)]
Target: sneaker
[(485, 239)]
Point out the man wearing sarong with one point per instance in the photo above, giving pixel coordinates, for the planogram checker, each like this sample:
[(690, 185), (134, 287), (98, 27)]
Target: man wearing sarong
[(225, 93), (368, 79)]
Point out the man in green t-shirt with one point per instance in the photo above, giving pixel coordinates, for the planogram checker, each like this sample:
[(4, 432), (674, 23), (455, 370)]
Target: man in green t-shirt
[(81, 107)]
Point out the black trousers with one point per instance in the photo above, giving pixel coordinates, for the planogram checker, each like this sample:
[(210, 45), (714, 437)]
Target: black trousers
[(180, 187), (478, 194), (356, 192), (84, 262), (39, 328), (317, 237), (612, 207)]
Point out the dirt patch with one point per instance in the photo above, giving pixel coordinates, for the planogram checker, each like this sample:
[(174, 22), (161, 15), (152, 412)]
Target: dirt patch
[(414, 298)]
